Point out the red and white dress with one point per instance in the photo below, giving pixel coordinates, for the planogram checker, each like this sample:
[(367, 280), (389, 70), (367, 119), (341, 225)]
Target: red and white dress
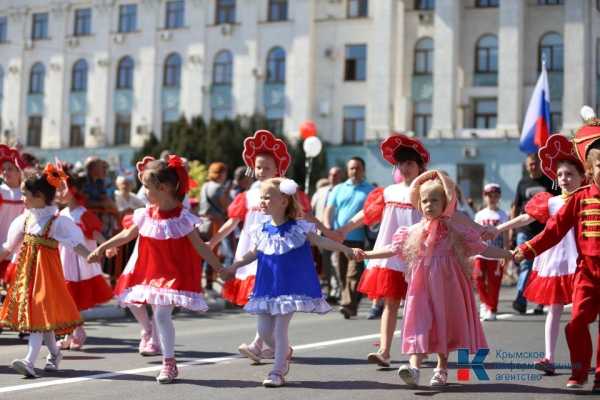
[(245, 207), (384, 278), (84, 281), (553, 272), (165, 268), (11, 206)]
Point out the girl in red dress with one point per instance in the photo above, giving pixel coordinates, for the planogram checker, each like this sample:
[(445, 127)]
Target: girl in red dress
[(165, 271)]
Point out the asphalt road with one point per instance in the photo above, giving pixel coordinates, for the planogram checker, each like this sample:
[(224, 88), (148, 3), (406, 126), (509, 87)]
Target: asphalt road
[(329, 362)]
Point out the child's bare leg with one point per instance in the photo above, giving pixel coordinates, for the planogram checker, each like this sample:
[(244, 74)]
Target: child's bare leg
[(388, 326), (416, 359), (442, 362)]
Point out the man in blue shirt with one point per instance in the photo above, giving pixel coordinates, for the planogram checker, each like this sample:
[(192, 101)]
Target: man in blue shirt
[(344, 201)]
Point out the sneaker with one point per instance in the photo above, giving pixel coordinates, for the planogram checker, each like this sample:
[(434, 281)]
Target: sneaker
[(169, 371), (489, 316), (150, 349), (409, 375), (482, 311), (545, 366), (246, 351), (274, 380), (379, 359), (375, 312), (64, 343), (574, 383), (439, 378), (24, 367), (267, 353), (519, 307), (79, 337), (52, 361)]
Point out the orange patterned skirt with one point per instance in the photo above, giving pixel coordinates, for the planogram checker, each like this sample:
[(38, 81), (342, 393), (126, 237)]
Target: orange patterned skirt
[(38, 299)]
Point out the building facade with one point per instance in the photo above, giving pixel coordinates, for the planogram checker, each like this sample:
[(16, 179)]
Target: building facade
[(100, 73)]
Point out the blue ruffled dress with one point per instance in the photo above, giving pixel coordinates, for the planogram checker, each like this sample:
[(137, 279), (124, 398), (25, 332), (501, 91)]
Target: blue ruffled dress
[(286, 276)]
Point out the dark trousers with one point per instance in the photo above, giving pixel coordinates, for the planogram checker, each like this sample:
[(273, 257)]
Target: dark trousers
[(350, 273)]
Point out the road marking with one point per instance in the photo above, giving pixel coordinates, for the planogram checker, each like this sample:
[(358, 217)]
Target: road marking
[(200, 361)]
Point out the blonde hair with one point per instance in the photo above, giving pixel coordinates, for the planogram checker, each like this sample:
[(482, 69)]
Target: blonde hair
[(413, 248), (293, 209)]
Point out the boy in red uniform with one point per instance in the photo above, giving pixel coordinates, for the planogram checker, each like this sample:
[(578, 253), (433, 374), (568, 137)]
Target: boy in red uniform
[(581, 212)]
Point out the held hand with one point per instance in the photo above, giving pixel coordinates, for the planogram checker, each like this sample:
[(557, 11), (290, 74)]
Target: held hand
[(95, 256), (350, 253), (227, 274), (359, 254), (110, 253), (517, 256), (490, 233)]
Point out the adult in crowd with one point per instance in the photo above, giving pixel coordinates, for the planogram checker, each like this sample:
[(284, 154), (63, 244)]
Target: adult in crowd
[(531, 184), (344, 201), (214, 200), (319, 204), (126, 201), (241, 182)]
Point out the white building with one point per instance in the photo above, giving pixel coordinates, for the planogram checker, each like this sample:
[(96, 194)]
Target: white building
[(99, 73)]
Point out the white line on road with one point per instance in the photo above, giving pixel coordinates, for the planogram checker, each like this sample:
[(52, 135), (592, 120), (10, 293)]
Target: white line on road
[(139, 371)]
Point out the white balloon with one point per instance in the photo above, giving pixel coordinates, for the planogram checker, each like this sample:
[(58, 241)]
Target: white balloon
[(312, 146)]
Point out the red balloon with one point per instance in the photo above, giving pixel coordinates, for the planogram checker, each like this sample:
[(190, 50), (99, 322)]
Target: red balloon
[(308, 129)]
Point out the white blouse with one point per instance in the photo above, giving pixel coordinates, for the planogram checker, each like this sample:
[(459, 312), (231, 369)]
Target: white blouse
[(63, 229)]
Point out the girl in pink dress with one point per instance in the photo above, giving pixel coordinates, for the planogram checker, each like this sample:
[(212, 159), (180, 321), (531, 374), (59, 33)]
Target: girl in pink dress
[(436, 251), (85, 281), (391, 207), (165, 271), (11, 205), (552, 276)]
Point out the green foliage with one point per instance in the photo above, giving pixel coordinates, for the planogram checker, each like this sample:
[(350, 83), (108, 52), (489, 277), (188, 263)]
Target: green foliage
[(223, 140), (198, 173)]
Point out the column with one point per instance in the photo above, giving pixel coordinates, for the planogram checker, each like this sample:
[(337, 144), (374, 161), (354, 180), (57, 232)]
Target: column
[(379, 69), (445, 71), (510, 67), (401, 101), (248, 70), (578, 76)]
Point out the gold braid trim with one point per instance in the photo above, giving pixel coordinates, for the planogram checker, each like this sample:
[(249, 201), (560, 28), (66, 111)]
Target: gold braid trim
[(45, 328), (41, 241), (531, 248)]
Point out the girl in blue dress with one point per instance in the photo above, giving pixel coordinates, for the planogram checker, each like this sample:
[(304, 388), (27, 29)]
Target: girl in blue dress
[(286, 277)]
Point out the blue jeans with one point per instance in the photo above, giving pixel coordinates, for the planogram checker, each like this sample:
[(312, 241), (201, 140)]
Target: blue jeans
[(524, 270)]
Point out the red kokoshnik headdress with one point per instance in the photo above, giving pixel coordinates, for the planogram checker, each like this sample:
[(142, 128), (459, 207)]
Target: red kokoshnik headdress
[(264, 142), (389, 146), (176, 163), (587, 134), (12, 155), (557, 148)]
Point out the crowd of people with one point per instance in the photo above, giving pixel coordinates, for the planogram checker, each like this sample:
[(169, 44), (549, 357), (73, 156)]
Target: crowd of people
[(72, 241)]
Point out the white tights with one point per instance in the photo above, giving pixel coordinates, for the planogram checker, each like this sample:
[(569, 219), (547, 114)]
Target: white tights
[(273, 330), (552, 329), (141, 315), (35, 345), (164, 332)]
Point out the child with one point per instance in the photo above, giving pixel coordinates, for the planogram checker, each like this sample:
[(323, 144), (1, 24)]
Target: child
[(581, 211), (11, 205), (384, 278), (487, 272), (85, 281), (436, 251), (38, 301), (165, 271), (286, 277), (267, 157)]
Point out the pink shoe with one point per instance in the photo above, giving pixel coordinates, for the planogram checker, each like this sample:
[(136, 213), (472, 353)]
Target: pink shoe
[(267, 352), (247, 351), (144, 339), (169, 371), (64, 343), (150, 348), (78, 339)]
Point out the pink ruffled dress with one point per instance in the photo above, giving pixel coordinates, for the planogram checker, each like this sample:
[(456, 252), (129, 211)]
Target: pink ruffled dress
[(384, 278), (165, 268), (11, 206), (553, 273), (441, 312)]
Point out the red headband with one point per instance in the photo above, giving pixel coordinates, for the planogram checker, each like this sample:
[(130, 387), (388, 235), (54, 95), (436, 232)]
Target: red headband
[(176, 163)]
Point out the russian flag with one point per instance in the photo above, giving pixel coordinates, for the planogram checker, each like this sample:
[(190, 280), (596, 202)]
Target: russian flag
[(536, 127)]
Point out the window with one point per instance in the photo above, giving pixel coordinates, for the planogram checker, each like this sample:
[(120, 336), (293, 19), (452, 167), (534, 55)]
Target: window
[(122, 129), (556, 116), (278, 10), (470, 181), (276, 66), (34, 131), (36, 79), (128, 18), (175, 10), (172, 71), (275, 125), (223, 68), (549, 2), (39, 28), (125, 73), (76, 132), (358, 8), (79, 76), (551, 51), (485, 113), (487, 3), (422, 118), (356, 62), (424, 57), (83, 22), (486, 61), (424, 4), (225, 13), (3, 29), (354, 124)]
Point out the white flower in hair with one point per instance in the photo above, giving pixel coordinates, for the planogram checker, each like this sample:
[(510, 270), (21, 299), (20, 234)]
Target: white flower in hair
[(288, 186)]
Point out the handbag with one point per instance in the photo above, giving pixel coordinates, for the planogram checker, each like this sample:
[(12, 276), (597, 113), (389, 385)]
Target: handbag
[(205, 226)]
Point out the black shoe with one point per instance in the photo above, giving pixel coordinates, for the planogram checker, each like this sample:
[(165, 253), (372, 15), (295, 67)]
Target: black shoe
[(375, 312), (347, 312), (332, 299), (519, 307), (539, 310)]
